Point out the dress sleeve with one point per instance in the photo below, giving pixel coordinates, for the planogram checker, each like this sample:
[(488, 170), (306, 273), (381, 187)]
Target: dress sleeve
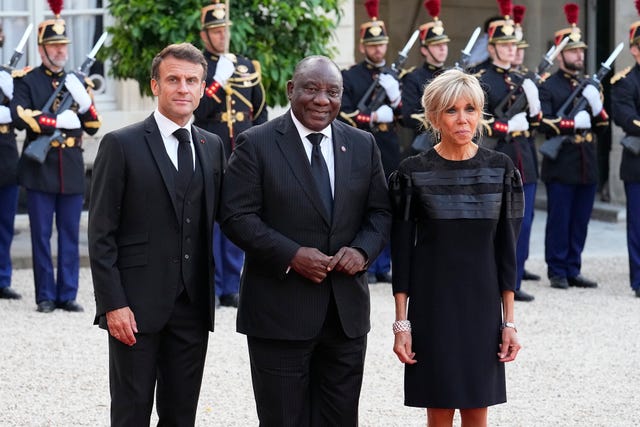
[(509, 228), (402, 230)]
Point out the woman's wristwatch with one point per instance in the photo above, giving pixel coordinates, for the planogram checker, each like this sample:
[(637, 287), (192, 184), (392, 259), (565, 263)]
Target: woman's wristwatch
[(509, 325)]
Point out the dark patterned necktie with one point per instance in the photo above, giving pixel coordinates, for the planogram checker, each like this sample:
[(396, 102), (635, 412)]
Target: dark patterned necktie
[(185, 157), (321, 172)]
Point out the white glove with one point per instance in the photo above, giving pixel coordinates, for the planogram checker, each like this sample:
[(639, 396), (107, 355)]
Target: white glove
[(533, 99), (592, 95), (384, 114), (78, 92), (67, 120), (6, 84), (582, 120), (518, 122), (391, 86), (224, 69), (5, 115)]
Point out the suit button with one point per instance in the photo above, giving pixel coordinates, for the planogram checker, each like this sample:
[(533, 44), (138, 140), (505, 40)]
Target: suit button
[(175, 260), (188, 220), (186, 256)]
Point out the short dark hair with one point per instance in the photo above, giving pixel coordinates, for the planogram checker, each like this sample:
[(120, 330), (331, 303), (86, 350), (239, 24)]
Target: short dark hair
[(185, 51)]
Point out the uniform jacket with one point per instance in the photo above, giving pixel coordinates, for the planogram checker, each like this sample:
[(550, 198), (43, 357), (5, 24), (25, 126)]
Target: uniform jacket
[(271, 207), (246, 101), (357, 80), (577, 160), (413, 84), (499, 84), (625, 103), (63, 169), (134, 229)]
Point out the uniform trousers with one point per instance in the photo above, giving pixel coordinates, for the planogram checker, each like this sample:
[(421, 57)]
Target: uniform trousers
[(632, 191), (314, 382), (173, 358), (522, 248), (66, 208), (8, 207), (568, 212), (229, 259), (382, 264)]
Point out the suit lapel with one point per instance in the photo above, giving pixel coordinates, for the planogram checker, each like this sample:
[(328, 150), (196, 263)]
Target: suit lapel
[(342, 153), (159, 153), (199, 142), (292, 149)]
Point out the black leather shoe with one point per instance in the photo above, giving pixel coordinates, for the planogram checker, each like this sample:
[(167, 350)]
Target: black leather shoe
[(71, 305), (46, 306), (638, 292), (520, 295), (559, 282), (581, 282), (527, 275), (384, 277), (8, 293), (229, 300), (371, 278)]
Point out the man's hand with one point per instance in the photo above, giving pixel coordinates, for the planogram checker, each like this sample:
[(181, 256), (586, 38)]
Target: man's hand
[(347, 260), (78, 92), (391, 86), (122, 325), (592, 95), (311, 263), (224, 69)]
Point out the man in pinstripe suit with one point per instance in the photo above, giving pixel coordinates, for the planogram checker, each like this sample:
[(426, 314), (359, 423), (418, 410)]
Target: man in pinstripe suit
[(304, 300)]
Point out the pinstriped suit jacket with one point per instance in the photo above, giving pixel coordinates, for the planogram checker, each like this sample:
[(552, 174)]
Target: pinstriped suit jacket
[(271, 207)]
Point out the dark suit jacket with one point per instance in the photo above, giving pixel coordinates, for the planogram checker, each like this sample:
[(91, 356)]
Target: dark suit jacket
[(134, 230), (271, 207)]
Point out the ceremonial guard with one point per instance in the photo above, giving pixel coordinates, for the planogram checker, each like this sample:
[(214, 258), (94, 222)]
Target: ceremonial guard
[(570, 174), (233, 101), (513, 110), (55, 183), (8, 175), (434, 47), (380, 120), (625, 91), (521, 44)]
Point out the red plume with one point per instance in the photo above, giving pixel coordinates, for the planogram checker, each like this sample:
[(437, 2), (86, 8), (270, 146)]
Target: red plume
[(518, 13), (433, 7), (505, 7), (372, 8), (56, 6), (571, 12), (638, 6)]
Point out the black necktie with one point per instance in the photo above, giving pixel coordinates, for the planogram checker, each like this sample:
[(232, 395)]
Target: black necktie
[(185, 158), (321, 172)]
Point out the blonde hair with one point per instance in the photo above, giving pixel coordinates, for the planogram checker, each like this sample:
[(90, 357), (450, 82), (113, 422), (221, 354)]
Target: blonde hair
[(445, 90)]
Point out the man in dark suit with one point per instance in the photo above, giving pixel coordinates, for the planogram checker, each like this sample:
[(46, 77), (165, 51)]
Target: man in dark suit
[(156, 186), (309, 211)]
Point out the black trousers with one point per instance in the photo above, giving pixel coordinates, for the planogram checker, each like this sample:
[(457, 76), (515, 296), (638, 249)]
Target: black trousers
[(172, 358), (313, 382)]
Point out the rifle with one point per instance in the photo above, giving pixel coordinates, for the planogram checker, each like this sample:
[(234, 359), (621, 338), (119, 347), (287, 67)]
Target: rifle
[(38, 148), (520, 102), (15, 58), (465, 53), (551, 147), (367, 104)]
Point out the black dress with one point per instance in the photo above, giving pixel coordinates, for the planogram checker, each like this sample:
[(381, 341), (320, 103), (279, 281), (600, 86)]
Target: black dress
[(456, 225)]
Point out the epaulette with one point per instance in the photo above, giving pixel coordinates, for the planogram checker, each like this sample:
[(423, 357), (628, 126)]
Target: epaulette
[(16, 74), (620, 75), (480, 73)]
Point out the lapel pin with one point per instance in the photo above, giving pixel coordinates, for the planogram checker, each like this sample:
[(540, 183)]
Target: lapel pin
[(202, 141), (343, 149)]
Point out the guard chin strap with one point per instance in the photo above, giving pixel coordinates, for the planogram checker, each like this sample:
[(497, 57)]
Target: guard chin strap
[(433, 58), (46, 54)]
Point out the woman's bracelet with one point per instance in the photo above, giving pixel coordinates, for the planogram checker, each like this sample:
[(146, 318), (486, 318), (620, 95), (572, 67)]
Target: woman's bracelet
[(401, 326)]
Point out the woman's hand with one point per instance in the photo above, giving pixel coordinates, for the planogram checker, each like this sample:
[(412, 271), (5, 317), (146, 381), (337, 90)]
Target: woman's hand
[(402, 348), (510, 346)]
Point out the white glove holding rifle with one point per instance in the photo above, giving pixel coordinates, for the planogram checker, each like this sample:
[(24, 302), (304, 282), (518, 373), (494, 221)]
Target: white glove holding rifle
[(6, 84), (384, 114), (78, 92), (391, 86), (592, 95), (518, 123), (67, 120), (582, 120), (533, 99)]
